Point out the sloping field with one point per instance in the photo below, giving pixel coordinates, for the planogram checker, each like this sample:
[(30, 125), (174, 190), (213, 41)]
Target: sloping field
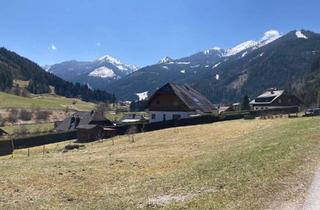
[(42, 101), (257, 164)]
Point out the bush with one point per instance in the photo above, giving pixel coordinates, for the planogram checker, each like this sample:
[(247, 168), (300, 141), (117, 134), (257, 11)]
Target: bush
[(2, 121), (13, 116), (22, 130), (43, 115), (25, 115)]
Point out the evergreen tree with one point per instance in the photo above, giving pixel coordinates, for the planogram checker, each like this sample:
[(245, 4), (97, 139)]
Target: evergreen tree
[(245, 105)]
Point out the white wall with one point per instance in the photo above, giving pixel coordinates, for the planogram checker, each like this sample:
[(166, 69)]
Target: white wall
[(159, 115)]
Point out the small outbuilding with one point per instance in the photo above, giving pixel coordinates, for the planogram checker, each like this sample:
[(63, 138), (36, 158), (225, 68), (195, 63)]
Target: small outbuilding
[(87, 133)]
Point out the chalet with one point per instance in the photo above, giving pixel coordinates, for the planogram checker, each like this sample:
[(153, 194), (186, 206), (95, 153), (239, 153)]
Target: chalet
[(87, 133), (274, 99), (83, 118), (172, 102)]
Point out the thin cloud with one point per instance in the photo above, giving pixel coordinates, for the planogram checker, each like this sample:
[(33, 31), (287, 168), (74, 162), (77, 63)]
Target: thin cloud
[(270, 34), (53, 47)]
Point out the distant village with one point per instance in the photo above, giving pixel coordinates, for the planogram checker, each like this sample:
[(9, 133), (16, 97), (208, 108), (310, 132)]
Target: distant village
[(170, 106)]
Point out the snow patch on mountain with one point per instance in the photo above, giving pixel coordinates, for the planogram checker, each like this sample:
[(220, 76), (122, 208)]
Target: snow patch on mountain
[(244, 54), (300, 35), (216, 65), (109, 59), (240, 47), (142, 96), (183, 71), (102, 72), (166, 59), (165, 67)]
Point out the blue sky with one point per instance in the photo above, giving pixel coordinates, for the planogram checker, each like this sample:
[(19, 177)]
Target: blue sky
[(141, 32)]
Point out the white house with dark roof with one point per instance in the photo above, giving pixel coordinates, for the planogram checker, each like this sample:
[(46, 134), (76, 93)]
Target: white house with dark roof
[(173, 101), (275, 99)]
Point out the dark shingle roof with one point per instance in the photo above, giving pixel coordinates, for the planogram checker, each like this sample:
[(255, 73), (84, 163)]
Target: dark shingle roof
[(83, 118), (3, 132), (190, 97)]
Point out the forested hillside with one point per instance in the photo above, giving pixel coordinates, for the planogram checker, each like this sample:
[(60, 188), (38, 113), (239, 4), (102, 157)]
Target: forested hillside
[(15, 67)]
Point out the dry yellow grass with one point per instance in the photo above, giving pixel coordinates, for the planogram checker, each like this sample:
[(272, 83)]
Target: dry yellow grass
[(227, 165)]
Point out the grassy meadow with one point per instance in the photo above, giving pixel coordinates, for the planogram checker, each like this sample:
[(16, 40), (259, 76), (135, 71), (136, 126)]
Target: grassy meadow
[(31, 128), (241, 164), (43, 101)]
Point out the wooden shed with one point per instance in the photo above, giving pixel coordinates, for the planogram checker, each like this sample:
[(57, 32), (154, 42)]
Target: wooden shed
[(87, 133)]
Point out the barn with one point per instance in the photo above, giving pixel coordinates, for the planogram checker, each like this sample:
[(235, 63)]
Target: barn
[(173, 102)]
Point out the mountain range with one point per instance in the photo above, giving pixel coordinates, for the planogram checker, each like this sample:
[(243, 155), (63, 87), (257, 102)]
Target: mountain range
[(289, 61), (96, 74), (15, 67), (226, 75)]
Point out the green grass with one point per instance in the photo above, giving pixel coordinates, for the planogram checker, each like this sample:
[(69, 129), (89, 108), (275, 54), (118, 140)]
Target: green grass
[(42, 101), (32, 128), (241, 164)]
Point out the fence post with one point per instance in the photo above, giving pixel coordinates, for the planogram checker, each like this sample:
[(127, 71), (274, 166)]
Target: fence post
[(12, 146)]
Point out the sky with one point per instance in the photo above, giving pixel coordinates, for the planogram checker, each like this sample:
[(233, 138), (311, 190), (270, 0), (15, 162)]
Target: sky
[(141, 32)]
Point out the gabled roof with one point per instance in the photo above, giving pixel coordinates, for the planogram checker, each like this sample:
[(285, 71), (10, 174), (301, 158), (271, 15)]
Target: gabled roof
[(190, 97), (267, 97), (3, 132), (82, 118)]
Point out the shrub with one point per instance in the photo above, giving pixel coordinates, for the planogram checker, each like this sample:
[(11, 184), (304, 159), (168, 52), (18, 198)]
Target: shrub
[(2, 121), (13, 116), (22, 130), (25, 115), (43, 115)]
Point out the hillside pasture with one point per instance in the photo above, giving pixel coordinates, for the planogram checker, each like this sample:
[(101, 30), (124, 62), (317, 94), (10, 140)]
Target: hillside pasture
[(240, 164), (45, 101)]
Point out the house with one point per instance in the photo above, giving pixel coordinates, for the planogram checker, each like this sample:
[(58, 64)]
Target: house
[(274, 99), (225, 108), (83, 118), (173, 102), (3, 133), (132, 118), (236, 106)]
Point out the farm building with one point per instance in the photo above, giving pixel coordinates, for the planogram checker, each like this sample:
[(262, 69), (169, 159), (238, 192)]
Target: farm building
[(83, 118), (173, 102), (274, 99), (3, 133), (225, 108), (86, 133), (132, 118)]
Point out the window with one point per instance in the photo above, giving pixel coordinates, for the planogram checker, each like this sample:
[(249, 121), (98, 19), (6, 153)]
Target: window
[(157, 102), (153, 116)]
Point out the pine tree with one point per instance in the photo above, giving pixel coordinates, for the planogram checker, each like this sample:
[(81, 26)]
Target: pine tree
[(245, 105)]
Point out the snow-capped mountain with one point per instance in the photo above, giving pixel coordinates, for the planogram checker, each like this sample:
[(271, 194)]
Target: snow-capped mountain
[(226, 74), (96, 74), (166, 59)]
